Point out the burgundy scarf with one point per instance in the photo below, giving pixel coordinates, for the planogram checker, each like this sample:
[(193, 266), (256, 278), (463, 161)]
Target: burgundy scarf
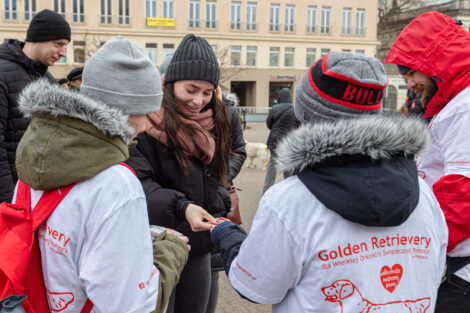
[(197, 139)]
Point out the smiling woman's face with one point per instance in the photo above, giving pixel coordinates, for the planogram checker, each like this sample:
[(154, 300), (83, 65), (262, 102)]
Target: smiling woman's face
[(194, 93)]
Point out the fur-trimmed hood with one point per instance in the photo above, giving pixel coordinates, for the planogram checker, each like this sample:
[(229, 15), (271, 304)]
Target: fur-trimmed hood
[(70, 137), (363, 169), (376, 136), (43, 97)]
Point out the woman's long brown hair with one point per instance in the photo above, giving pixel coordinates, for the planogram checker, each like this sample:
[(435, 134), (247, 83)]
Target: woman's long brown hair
[(222, 132)]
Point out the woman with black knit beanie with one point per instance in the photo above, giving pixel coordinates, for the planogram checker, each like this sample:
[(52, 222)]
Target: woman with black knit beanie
[(183, 163)]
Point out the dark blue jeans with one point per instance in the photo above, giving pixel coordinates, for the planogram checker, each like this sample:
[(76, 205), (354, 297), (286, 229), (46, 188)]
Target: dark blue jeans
[(191, 294)]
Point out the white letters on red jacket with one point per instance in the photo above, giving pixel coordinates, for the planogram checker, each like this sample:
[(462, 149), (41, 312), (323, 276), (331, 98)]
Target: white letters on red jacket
[(302, 257), (450, 154), (96, 244)]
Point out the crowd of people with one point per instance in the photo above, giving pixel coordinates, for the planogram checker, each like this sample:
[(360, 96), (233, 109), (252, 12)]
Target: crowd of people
[(373, 214)]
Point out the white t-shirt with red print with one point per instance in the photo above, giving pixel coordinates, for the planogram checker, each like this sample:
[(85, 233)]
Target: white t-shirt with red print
[(450, 154), (302, 257), (96, 245)]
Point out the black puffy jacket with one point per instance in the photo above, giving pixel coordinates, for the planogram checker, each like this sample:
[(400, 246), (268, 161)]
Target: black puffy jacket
[(16, 71), (281, 119), (169, 191), (238, 143)]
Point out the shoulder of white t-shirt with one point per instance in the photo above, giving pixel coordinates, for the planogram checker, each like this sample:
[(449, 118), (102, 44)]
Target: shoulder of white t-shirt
[(460, 104)]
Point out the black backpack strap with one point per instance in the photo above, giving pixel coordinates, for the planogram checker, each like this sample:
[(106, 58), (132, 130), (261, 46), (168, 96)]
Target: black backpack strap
[(454, 264)]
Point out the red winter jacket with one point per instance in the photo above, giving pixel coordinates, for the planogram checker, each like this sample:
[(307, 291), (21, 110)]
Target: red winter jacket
[(436, 46)]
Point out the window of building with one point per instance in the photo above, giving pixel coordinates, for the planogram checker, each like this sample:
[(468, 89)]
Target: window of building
[(168, 48), (235, 15), (214, 48), (64, 58), (168, 9), (274, 17), (211, 9), (79, 52), (311, 18), (29, 9), (150, 8), (78, 15), (59, 7), (311, 53), (124, 12), (346, 50), (151, 49), (289, 57), (251, 56), (346, 29), (274, 56), (325, 20), (360, 51), (360, 15), (235, 55), (251, 16), (11, 11), (106, 16), (289, 18), (324, 52), (194, 9)]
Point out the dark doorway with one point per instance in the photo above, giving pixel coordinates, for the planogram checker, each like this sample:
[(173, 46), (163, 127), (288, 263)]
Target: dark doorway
[(245, 91)]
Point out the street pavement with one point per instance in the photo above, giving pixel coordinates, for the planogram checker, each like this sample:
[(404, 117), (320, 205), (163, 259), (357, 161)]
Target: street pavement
[(250, 181)]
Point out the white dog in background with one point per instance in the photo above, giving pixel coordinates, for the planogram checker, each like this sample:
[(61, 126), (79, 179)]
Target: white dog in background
[(257, 150)]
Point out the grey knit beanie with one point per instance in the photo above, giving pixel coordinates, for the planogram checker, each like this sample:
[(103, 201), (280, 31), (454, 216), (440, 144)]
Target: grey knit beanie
[(121, 75), (340, 85), (194, 59)]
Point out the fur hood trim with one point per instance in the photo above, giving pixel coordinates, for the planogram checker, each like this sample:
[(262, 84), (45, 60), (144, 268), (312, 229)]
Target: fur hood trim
[(41, 96), (376, 136)]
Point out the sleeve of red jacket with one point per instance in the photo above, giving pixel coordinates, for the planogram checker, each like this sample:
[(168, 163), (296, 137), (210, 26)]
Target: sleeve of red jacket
[(453, 194)]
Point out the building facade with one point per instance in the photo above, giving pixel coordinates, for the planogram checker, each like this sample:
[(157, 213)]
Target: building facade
[(262, 45)]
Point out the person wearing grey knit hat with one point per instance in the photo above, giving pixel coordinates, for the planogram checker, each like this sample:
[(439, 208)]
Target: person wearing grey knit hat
[(312, 246), (190, 136), (84, 139), (122, 86), (341, 84)]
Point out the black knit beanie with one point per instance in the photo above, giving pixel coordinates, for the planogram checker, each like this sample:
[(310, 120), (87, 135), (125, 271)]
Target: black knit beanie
[(194, 59), (48, 25)]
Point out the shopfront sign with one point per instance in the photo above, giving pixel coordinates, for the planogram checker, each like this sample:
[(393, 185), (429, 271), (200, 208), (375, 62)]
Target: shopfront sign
[(284, 78)]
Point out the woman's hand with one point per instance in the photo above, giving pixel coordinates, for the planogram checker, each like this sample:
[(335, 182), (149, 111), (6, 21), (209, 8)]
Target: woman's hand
[(198, 218)]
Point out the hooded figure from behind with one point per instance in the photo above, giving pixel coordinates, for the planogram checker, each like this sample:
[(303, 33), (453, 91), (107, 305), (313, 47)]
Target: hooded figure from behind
[(281, 120), (355, 228)]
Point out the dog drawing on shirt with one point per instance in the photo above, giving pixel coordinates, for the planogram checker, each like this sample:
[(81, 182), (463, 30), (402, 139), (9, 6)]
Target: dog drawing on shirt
[(351, 301)]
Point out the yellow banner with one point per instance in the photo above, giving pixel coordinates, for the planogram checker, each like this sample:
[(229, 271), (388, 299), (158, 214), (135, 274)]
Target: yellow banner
[(157, 21)]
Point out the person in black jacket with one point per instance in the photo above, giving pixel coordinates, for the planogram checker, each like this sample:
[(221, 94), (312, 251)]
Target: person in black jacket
[(20, 63), (182, 159), (281, 120)]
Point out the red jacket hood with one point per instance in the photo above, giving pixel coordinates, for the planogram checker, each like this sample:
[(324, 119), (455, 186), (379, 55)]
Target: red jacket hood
[(436, 46)]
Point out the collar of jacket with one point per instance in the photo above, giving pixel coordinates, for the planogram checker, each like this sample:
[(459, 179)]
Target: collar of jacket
[(362, 168), (70, 138), (13, 50)]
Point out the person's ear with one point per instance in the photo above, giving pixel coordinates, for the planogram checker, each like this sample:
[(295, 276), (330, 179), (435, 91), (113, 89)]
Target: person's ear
[(162, 77)]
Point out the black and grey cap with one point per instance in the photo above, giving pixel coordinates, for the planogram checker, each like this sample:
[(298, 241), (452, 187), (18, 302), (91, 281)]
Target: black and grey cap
[(48, 25), (340, 85), (75, 74), (194, 59)]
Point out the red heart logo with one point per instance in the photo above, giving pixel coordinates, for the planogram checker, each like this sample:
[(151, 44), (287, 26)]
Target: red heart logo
[(390, 277)]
